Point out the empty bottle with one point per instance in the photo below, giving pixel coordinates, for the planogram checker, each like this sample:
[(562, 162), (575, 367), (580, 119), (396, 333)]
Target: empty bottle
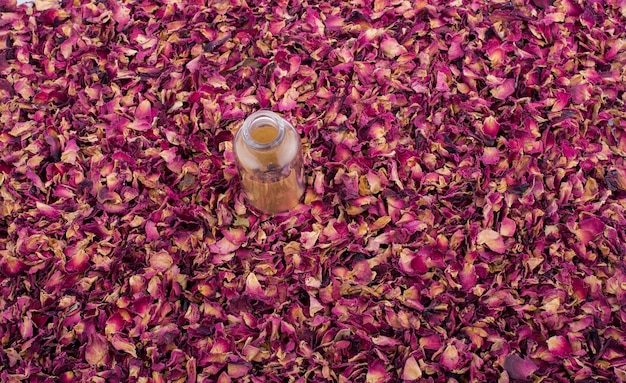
[(268, 152)]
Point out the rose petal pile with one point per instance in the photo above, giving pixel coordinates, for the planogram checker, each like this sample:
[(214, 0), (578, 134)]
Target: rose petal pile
[(465, 213)]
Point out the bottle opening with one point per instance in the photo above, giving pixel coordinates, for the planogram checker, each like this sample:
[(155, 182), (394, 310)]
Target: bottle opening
[(263, 130), (264, 134)]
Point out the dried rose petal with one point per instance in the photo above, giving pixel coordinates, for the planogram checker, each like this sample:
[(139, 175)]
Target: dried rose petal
[(468, 276), (504, 90), (411, 370), (144, 110), (559, 346), (490, 156), (588, 229), (253, 286), (78, 259), (450, 358), (124, 345), (519, 368), (11, 265), (237, 370), (376, 372), (96, 351), (492, 239), (491, 126), (391, 48), (507, 227), (161, 261)]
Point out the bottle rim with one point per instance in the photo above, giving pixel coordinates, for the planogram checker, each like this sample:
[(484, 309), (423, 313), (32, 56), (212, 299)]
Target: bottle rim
[(263, 118)]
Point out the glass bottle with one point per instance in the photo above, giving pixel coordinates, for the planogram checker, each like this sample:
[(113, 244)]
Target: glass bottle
[(268, 152)]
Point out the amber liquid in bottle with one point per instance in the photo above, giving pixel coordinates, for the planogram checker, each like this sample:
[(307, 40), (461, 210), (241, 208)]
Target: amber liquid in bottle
[(264, 134), (269, 158)]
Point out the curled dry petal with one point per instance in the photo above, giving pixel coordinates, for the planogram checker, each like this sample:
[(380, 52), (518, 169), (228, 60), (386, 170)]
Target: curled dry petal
[(253, 287), (492, 239), (224, 246), (315, 306), (43, 5), (124, 345), (70, 152), (334, 22), (26, 327), (412, 263), (224, 378), (391, 48), (78, 259), (47, 210), (491, 126), (8, 5), (151, 231)]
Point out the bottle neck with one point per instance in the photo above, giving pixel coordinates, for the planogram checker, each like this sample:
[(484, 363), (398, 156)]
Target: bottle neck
[(263, 130)]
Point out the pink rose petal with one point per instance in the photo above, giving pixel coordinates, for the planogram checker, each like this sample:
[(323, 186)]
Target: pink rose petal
[(450, 358), (431, 342), (70, 153), (47, 210), (411, 370), (562, 99), (571, 8), (78, 259), (519, 368), (97, 350), (10, 265), (442, 84), (144, 110), (504, 90), (491, 126), (559, 346), (492, 239), (161, 261), (151, 231), (236, 370), (391, 48), (507, 227), (376, 372), (588, 229), (468, 277), (455, 51), (491, 156), (253, 287), (334, 22), (121, 344), (223, 246)]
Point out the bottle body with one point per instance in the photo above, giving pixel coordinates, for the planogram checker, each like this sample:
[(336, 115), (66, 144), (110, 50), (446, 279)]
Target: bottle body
[(268, 152)]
